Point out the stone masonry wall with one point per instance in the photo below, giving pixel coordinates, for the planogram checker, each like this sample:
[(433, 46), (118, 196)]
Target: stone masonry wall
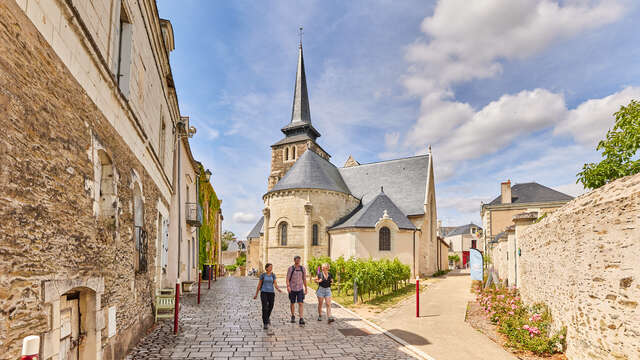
[(47, 226), (583, 261)]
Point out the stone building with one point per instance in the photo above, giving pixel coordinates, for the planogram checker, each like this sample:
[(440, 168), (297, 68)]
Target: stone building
[(182, 248), (253, 246), (312, 208), (89, 115), (519, 198), (462, 238)]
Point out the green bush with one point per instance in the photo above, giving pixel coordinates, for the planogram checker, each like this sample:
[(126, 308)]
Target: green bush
[(440, 273), (231, 268), (241, 260), (526, 327), (373, 277)]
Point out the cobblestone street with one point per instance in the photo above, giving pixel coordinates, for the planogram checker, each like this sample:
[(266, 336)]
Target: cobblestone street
[(227, 325)]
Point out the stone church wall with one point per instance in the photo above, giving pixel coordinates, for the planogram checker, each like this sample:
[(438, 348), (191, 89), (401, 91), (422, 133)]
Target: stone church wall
[(288, 206), (583, 261), (49, 233)]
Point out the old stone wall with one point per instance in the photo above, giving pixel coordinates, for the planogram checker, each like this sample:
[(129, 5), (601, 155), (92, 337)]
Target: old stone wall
[(499, 258), (288, 206), (48, 229), (582, 261)]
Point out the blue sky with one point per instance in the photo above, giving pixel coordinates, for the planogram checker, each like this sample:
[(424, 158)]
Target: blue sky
[(501, 89)]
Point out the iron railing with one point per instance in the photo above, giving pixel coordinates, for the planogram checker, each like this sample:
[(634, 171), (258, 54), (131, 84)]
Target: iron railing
[(193, 214), (142, 245)]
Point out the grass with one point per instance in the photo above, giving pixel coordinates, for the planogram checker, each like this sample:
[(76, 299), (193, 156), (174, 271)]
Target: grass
[(379, 303)]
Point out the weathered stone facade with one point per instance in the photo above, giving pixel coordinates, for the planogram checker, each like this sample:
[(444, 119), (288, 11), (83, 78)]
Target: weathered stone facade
[(582, 261), (70, 239)]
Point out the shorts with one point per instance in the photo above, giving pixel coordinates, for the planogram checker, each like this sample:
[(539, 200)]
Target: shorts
[(296, 296), (323, 292)]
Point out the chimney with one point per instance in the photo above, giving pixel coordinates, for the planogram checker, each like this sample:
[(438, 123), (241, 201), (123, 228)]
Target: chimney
[(505, 192)]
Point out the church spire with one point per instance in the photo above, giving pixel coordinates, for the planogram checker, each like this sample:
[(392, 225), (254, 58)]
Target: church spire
[(300, 111), (300, 115)]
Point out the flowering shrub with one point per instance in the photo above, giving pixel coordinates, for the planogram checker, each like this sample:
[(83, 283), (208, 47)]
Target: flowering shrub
[(526, 327)]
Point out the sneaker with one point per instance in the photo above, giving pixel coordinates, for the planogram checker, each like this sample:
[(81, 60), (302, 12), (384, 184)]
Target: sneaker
[(293, 319), (331, 319), (301, 321), (319, 317), (266, 326)]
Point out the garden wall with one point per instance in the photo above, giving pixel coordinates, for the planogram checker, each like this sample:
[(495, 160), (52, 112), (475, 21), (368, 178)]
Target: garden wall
[(584, 262)]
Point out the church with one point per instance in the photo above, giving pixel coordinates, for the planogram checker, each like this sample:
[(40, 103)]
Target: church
[(312, 208)]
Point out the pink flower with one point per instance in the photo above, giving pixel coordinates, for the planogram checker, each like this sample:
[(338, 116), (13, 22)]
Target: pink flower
[(511, 313), (525, 326), (535, 317), (514, 307)]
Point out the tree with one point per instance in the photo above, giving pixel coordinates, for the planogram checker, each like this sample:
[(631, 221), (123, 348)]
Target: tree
[(454, 258), (227, 237), (619, 150)]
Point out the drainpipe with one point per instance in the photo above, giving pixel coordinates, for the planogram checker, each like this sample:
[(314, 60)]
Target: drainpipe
[(197, 258), (179, 204)]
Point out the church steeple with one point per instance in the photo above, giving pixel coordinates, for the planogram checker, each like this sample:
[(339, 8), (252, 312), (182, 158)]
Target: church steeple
[(300, 115)]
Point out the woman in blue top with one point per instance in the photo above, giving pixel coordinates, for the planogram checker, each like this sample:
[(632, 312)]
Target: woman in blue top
[(266, 287)]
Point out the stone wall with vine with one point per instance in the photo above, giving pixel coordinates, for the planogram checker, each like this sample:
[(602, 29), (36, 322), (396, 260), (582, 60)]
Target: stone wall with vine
[(208, 231)]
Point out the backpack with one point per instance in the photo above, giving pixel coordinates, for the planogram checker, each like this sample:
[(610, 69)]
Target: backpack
[(293, 269)]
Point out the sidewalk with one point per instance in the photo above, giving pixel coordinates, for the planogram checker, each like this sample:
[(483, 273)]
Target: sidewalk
[(441, 330)]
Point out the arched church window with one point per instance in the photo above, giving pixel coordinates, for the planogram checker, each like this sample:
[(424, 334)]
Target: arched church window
[(384, 239), (286, 153), (283, 234), (314, 235), (294, 153)]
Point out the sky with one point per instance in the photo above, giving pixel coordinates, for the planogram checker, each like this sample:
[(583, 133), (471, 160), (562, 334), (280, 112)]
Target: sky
[(500, 89)]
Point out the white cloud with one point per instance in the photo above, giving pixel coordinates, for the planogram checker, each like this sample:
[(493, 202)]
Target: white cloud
[(589, 122), (244, 218), (467, 40), (572, 189), (391, 139)]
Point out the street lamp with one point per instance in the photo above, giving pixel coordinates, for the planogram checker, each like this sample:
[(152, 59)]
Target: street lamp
[(207, 174)]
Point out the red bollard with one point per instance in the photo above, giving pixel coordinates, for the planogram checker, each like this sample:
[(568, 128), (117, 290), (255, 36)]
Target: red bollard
[(215, 268), (199, 278), (175, 312), (417, 297), (30, 348)]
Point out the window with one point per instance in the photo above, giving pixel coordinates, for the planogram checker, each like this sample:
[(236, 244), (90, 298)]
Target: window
[(314, 235), (162, 139), (473, 244), (124, 38), (384, 242), (283, 234), (294, 153), (140, 235), (286, 153), (106, 191)]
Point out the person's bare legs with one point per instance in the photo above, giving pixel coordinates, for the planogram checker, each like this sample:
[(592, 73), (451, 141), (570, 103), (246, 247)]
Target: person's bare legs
[(327, 302), (320, 306), (293, 309), (301, 310)]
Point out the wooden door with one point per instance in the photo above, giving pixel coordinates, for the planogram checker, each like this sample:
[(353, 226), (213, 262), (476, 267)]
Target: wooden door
[(69, 327)]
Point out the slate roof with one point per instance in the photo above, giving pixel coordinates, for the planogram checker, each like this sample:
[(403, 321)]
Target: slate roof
[(500, 236), (404, 181), (460, 230), (257, 229), (311, 171), (368, 215), (532, 193), (293, 138)]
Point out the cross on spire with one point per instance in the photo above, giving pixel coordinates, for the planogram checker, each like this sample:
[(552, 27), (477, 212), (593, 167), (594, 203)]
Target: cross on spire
[(300, 32)]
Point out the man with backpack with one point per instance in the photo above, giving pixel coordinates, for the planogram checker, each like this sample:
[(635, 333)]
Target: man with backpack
[(297, 288)]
